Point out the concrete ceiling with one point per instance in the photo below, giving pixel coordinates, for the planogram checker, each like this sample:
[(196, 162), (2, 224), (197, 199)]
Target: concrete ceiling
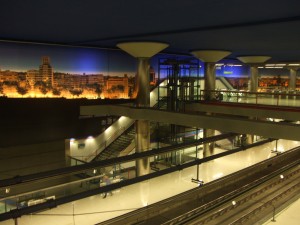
[(256, 27)]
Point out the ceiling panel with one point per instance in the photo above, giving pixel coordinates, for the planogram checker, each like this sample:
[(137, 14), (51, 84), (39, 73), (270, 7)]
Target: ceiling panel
[(264, 27)]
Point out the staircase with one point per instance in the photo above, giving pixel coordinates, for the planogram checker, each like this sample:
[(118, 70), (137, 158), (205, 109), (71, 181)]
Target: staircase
[(124, 140), (115, 148), (161, 104)]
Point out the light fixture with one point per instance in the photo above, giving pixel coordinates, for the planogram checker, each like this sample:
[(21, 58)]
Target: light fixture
[(233, 202), (281, 176), (7, 190)]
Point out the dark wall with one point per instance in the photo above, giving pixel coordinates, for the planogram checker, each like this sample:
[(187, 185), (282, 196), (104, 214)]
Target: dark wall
[(33, 120)]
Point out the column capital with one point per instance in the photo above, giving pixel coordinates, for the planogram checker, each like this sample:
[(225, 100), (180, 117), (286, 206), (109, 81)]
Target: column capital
[(253, 60), (210, 56), (142, 49)]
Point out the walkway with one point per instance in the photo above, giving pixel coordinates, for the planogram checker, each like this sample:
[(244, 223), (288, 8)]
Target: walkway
[(95, 209)]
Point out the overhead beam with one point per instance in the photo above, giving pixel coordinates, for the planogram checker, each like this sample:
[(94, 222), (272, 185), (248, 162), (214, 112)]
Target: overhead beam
[(224, 123), (259, 111)]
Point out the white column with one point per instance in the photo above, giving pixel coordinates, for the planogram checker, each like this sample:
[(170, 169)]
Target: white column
[(293, 77), (143, 51), (253, 78), (209, 57), (253, 61)]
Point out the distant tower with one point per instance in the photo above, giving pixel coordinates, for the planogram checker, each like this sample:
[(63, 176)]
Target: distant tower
[(152, 76), (46, 71)]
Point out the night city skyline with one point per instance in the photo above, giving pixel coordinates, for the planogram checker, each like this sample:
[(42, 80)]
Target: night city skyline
[(21, 58)]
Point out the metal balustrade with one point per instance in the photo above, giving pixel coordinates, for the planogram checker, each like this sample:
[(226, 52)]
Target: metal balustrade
[(275, 98)]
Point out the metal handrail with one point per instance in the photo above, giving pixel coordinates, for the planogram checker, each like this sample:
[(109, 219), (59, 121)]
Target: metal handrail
[(101, 147), (248, 94)]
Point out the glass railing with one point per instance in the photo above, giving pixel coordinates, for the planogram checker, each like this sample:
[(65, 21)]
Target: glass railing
[(81, 178), (275, 98), (101, 147), (40, 191)]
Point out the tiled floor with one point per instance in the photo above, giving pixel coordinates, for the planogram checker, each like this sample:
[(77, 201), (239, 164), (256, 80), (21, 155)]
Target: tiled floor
[(288, 216), (95, 209)]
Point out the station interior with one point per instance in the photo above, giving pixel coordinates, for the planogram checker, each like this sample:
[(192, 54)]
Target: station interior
[(192, 116)]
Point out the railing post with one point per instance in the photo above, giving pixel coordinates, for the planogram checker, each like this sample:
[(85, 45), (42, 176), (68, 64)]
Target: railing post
[(256, 94), (273, 217)]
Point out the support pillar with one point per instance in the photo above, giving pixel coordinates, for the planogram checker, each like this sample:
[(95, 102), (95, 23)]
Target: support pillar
[(253, 78), (143, 81), (208, 148), (293, 77), (209, 57), (209, 81), (253, 62), (250, 139), (143, 51)]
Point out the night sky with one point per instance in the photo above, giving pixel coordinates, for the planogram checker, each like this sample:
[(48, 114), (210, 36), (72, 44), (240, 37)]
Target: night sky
[(75, 60), (23, 57)]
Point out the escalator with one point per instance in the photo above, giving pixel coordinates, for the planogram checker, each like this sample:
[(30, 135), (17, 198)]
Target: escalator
[(124, 140), (116, 147), (161, 103), (127, 137)]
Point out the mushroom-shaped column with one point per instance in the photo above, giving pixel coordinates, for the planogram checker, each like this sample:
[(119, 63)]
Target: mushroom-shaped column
[(209, 57), (143, 51), (254, 62)]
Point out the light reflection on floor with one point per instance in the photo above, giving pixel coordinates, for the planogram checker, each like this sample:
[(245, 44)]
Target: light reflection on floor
[(95, 209)]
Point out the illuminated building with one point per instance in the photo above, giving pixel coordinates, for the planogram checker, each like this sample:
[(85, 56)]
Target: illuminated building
[(117, 87), (45, 71)]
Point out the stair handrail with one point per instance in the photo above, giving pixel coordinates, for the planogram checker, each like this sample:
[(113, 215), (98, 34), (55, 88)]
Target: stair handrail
[(115, 135), (104, 144)]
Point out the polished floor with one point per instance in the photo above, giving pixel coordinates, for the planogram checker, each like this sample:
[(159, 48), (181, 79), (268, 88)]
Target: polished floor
[(288, 216), (95, 209), (274, 101)]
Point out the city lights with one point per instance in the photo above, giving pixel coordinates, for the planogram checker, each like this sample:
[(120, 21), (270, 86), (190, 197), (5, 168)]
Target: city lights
[(45, 83)]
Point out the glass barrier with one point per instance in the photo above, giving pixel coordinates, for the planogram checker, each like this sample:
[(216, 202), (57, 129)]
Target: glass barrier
[(42, 190), (275, 98)]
